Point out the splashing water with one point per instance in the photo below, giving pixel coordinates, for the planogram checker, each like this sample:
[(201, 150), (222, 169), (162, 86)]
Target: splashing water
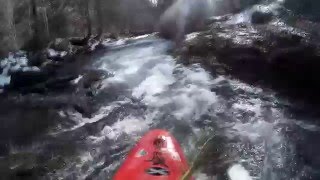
[(155, 92), (148, 90)]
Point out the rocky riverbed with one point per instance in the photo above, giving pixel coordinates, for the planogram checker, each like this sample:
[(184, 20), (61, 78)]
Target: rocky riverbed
[(274, 54), (250, 84), (84, 128)]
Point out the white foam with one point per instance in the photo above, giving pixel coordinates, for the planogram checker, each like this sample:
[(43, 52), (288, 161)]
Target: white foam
[(152, 78), (142, 36), (201, 176), (238, 172), (254, 130), (185, 94), (12, 64), (81, 121), (253, 105), (77, 80), (129, 125), (191, 36), (114, 43), (158, 81), (307, 126), (192, 102), (245, 87), (52, 53), (4, 80)]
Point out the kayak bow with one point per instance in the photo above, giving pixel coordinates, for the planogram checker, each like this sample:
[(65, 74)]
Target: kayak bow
[(156, 156)]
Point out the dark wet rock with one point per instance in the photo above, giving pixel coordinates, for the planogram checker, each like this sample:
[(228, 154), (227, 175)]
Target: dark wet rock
[(112, 36), (100, 46), (140, 32), (278, 56), (93, 76), (51, 66), (259, 17), (27, 78), (79, 108), (56, 55), (37, 80), (46, 85), (215, 19), (60, 44), (59, 82), (25, 173), (37, 59), (38, 89)]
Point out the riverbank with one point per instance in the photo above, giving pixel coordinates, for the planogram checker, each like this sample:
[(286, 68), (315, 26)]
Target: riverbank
[(273, 55)]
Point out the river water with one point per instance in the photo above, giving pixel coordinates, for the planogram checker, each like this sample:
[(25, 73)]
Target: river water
[(260, 136)]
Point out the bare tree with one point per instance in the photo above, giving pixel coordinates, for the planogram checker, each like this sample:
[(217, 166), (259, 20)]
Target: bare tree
[(99, 17), (30, 24), (11, 24), (46, 22), (84, 41), (35, 25), (8, 34)]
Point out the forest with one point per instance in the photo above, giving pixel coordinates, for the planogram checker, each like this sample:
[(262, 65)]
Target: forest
[(32, 24)]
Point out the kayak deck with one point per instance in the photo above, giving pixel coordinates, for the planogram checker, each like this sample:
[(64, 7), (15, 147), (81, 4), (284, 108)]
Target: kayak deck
[(156, 156)]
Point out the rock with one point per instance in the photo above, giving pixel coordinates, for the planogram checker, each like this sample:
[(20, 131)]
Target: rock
[(37, 59), (280, 57), (112, 36), (13, 69), (51, 66), (215, 19), (141, 32), (259, 17), (93, 76), (55, 55), (23, 79), (59, 82), (37, 89), (60, 44), (83, 108)]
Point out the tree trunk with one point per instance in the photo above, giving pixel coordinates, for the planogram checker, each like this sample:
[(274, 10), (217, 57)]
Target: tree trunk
[(35, 24), (89, 30), (84, 41), (46, 23), (30, 31), (61, 7), (11, 24), (99, 17)]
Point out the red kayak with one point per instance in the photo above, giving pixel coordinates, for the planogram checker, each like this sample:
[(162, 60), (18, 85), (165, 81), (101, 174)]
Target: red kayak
[(156, 156)]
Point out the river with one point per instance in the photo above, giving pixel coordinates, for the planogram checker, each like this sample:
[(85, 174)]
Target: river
[(259, 135)]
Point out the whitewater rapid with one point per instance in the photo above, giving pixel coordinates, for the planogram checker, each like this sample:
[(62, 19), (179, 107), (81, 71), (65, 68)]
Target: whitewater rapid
[(254, 134), (150, 90)]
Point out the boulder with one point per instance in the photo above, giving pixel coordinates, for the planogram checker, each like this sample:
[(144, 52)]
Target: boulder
[(60, 44), (56, 55), (59, 82), (93, 76), (283, 58), (259, 17), (21, 79), (37, 59)]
